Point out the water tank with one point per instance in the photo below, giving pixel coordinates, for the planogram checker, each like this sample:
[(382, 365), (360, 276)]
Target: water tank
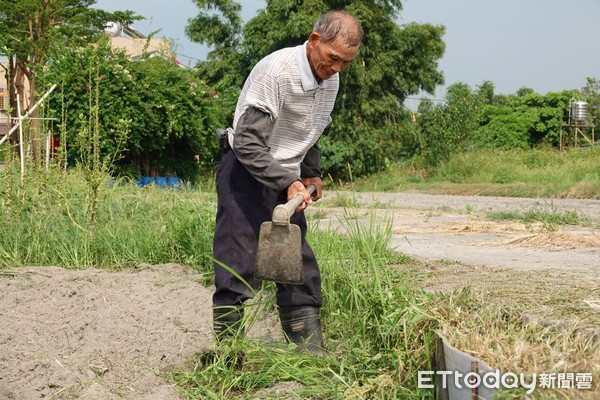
[(579, 113)]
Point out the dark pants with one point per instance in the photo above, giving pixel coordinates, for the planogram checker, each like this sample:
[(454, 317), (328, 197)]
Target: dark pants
[(243, 205)]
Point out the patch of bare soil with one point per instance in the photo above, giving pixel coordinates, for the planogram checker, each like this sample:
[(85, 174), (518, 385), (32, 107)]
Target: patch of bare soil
[(101, 335), (96, 334)]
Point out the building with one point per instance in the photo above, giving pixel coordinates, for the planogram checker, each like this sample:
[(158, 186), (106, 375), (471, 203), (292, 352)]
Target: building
[(135, 43), (4, 104)]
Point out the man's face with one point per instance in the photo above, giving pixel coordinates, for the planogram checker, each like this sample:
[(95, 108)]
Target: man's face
[(327, 59)]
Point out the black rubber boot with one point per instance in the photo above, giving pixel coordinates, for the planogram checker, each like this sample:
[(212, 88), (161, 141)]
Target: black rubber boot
[(227, 324), (228, 321), (302, 326)]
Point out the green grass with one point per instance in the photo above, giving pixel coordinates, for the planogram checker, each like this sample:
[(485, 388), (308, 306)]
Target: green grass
[(519, 173), (341, 199), (49, 222), (550, 219), (378, 331)]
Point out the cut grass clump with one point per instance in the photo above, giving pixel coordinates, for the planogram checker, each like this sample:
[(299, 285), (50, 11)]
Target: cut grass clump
[(503, 336)]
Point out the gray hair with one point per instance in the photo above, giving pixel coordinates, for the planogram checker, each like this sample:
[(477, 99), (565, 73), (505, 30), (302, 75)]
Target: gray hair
[(342, 24)]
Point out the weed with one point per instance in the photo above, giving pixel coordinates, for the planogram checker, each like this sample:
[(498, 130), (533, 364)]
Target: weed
[(550, 219), (378, 331), (343, 199)]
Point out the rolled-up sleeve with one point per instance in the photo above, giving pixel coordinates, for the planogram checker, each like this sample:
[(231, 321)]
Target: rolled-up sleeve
[(250, 145)]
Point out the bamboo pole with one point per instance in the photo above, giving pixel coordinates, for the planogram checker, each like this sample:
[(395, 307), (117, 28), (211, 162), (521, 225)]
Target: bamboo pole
[(21, 141), (48, 143)]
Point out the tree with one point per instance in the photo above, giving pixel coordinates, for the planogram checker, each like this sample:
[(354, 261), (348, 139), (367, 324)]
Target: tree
[(523, 120), (473, 119), (219, 26), (451, 127), (485, 91), (394, 62), (30, 28), (591, 93)]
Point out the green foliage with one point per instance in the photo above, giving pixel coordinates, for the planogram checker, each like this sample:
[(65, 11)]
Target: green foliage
[(393, 63), (171, 115), (450, 127), (281, 24), (591, 93), (507, 127), (219, 26), (30, 28), (361, 151), (524, 120), (475, 119)]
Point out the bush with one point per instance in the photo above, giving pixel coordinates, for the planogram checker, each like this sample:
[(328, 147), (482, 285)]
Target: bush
[(170, 114)]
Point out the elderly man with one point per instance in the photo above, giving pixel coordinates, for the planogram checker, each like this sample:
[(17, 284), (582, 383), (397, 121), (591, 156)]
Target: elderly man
[(270, 156)]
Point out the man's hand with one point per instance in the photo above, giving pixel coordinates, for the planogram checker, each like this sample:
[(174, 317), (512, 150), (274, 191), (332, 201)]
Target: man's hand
[(295, 189), (318, 193)]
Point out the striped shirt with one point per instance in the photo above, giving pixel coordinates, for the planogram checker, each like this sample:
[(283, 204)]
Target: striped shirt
[(283, 86)]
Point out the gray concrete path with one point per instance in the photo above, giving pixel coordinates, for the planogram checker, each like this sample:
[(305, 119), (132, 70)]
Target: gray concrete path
[(455, 228)]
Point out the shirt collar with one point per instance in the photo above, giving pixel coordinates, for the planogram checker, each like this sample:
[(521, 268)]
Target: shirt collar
[(309, 82)]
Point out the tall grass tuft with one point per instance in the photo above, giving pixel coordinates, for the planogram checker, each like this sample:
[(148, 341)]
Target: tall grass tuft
[(390, 335)]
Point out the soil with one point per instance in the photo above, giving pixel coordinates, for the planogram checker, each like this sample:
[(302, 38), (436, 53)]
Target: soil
[(96, 334)]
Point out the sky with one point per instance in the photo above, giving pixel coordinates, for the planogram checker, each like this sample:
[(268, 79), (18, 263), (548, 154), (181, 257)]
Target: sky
[(546, 45)]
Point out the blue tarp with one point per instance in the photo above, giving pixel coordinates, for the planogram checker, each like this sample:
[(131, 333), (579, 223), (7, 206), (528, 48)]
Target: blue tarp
[(160, 181)]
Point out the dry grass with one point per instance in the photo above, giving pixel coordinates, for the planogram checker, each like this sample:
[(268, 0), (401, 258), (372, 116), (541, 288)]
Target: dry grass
[(505, 337), (519, 321), (542, 320), (565, 240)]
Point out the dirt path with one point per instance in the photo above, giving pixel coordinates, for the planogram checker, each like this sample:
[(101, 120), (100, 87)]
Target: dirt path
[(92, 334)]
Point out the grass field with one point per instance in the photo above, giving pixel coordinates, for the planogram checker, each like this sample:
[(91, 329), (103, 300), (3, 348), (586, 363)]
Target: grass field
[(518, 173), (380, 325)]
